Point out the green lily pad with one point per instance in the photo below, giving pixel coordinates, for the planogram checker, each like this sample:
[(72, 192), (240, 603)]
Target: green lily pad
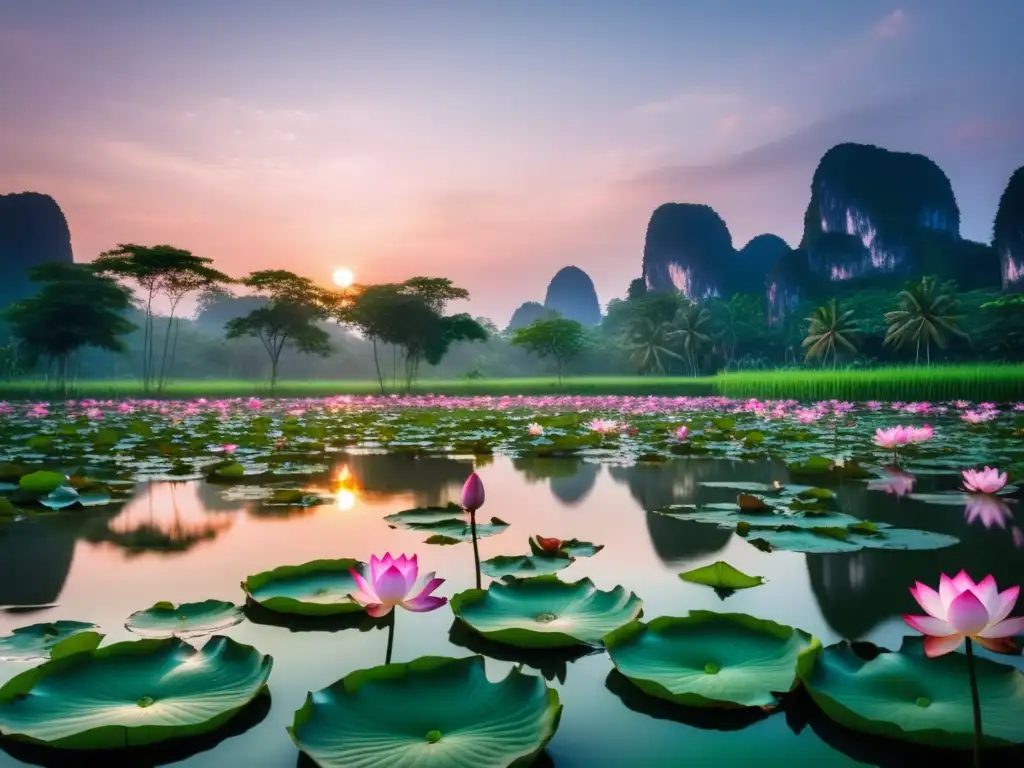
[(447, 525), (712, 659), (185, 620), (826, 540), (42, 481), (570, 547), (545, 612), (316, 588), (430, 713), (133, 693), (742, 486), (721, 575), (39, 641), (908, 696), (523, 565)]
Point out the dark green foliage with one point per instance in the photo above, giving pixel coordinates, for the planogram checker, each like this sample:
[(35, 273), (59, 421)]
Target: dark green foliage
[(560, 339), (74, 308), (526, 313), (926, 315), (830, 330)]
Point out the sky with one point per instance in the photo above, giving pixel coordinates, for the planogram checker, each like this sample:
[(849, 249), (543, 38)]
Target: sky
[(489, 142)]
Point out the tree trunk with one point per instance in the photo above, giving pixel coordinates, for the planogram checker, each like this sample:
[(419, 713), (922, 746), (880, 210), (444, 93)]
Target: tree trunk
[(376, 363), (917, 354), (928, 352), (174, 347), (273, 371), (163, 355)]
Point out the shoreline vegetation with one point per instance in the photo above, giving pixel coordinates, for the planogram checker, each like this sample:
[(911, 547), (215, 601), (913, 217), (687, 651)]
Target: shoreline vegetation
[(985, 382)]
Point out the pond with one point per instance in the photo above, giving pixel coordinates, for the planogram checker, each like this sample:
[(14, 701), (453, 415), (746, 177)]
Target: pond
[(193, 540), (858, 595)]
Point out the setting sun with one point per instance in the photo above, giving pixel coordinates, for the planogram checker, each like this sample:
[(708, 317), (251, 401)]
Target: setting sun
[(343, 277)]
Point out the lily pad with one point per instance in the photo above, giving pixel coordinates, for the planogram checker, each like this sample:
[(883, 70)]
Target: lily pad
[(721, 575), (570, 547), (430, 713), (712, 659), (133, 693), (545, 612), (447, 525), (908, 696), (40, 641), (186, 620), (41, 481), (826, 540), (523, 565), (316, 588)]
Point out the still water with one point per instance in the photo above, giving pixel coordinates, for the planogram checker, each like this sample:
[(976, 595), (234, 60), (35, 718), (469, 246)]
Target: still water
[(193, 541)]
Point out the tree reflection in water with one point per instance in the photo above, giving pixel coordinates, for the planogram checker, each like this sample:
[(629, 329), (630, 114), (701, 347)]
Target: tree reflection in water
[(571, 478)]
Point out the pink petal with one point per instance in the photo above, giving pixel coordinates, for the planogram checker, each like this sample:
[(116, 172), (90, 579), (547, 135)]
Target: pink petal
[(947, 591), (999, 645), (940, 646), (928, 599), (377, 610), (362, 585), (929, 625), (967, 614), (362, 598), (375, 569), (424, 603), (429, 585), (409, 568), (1004, 628), (1004, 604), (963, 582), (391, 589), (987, 591)]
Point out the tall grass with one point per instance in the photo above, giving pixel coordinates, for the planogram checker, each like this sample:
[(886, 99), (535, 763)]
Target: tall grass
[(998, 383), (992, 382)]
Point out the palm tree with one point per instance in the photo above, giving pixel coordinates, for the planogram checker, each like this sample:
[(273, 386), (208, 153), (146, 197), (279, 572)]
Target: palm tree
[(649, 345), (829, 331), (926, 314), (692, 329)]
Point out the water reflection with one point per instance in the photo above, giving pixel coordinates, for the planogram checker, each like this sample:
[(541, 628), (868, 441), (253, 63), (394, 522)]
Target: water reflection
[(101, 565)]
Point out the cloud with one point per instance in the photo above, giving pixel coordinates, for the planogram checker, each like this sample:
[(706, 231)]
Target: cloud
[(682, 103), (890, 26)]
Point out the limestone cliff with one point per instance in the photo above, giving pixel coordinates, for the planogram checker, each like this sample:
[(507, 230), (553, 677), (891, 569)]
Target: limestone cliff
[(33, 231), (1008, 233), (688, 248), (571, 294)]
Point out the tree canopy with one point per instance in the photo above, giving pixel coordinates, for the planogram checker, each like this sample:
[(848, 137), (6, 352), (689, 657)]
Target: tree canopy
[(560, 339)]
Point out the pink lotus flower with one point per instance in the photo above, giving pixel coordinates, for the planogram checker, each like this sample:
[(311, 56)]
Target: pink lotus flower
[(977, 417), (391, 583), (988, 510), (962, 609), (535, 429), (894, 482), (892, 438), (682, 433), (920, 434), (604, 426), (987, 480), (473, 493), (229, 448)]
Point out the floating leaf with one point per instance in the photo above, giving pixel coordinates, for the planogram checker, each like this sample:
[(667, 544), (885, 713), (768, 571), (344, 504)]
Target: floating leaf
[(316, 588), (545, 612), (570, 547), (133, 693), (749, 503), (37, 641), (523, 565), (447, 525), (42, 481), (908, 696), (185, 620), (430, 713), (712, 659), (721, 575)]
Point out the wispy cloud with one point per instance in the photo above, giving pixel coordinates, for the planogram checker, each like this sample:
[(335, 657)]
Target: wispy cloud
[(891, 25), (682, 103)]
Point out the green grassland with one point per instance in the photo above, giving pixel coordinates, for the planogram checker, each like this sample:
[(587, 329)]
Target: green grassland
[(999, 383)]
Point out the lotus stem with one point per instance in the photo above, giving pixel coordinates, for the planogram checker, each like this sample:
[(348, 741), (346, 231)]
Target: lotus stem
[(391, 638), (476, 549), (975, 703)]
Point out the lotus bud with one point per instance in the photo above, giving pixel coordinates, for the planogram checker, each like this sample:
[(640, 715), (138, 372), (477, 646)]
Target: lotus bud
[(473, 493)]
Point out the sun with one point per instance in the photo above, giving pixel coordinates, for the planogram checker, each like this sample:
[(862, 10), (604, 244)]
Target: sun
[(343, 277)]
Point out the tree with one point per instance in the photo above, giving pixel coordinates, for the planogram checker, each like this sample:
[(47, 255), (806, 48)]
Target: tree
[(289, 319), (830, 330), (560, 339), (691, 327), (1008, 314), (649, 345), (435, 291), (74, 308), (159, 270), (637, 289), (927, 313)]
